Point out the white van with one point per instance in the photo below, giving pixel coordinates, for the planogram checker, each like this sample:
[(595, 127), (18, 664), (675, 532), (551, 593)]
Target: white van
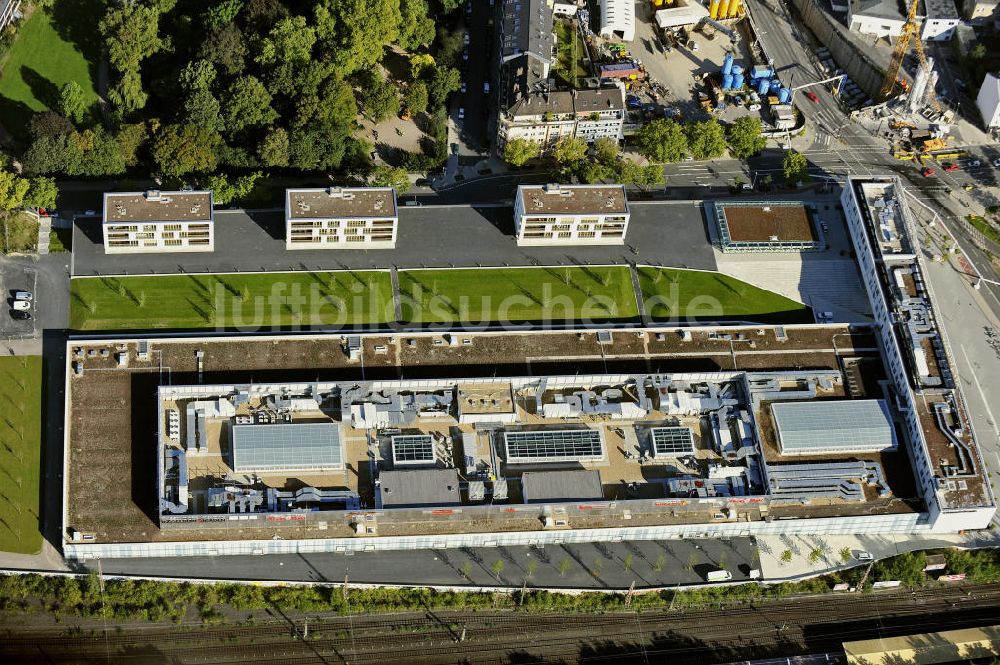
[(719, 576)]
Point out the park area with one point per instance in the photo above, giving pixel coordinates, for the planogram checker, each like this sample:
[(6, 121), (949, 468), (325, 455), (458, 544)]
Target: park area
[(230, 301), (517, 295), (53, 46), (672, 294), (20, 454)]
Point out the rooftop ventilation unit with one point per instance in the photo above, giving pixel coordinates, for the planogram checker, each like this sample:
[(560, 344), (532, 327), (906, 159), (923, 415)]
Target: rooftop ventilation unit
[(153, 195)]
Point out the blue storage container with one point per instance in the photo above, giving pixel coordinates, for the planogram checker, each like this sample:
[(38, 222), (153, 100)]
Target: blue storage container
[(763, 86), (737, 69), (737, 81), (775, 86), (784, 95), (762, 72), (727, 81), (727, 64)]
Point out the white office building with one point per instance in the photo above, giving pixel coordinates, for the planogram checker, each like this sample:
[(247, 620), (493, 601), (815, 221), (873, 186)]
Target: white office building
[(618, 19), (571, 215), (988, 101), (156, 221), (341, 218)]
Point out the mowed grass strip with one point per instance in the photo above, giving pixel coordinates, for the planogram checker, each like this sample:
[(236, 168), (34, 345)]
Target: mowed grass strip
[(20, 453), (710, 296), (501, 295), (41, 61), (231, 301)]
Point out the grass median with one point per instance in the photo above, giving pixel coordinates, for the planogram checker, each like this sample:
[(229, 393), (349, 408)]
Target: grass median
[(231, 301), (672, 294), (20, 453), (517, 295)]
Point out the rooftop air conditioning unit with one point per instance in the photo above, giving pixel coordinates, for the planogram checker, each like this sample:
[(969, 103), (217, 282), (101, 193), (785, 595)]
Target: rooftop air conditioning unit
[(153, 195)]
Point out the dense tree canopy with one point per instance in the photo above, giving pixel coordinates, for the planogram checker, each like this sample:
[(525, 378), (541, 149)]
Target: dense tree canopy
[(662, 141), (796, 167), (517, 152), (706, 139), (745, 138)]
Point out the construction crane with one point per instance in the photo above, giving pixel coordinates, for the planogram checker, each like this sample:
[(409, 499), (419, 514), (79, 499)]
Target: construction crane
[(911, 31)]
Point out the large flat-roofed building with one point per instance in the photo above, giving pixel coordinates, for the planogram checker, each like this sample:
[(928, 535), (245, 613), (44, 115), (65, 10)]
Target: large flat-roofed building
[(939, 433), (158, 221), (341, 218), (774, 226), (261, 448), (561, 486), (833, 427), (418, 488), (571, 215)]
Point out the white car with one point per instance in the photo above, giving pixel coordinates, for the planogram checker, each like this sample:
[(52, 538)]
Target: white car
[(463, 88), (465, 39), (22, 305), (861, 555), (23, 295), (461, 113), (486, 88), (974, 163)]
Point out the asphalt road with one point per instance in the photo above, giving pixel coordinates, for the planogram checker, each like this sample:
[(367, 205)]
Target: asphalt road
[(589, 565), (664, 233)]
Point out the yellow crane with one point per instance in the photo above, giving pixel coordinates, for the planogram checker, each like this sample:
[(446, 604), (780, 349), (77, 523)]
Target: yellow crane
[(911, 32)]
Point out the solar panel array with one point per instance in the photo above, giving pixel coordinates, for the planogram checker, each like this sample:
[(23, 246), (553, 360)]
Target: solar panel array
[(834, 426), (412, 449), (554, 445), (672, 440), (287, 446)]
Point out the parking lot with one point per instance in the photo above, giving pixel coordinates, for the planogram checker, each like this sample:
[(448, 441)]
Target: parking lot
[(17, 277)]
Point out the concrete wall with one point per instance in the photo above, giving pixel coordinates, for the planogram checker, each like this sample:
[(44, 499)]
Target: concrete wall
[(849, 55)]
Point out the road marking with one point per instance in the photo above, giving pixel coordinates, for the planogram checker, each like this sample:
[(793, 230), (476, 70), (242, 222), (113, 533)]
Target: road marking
[(982, 396)]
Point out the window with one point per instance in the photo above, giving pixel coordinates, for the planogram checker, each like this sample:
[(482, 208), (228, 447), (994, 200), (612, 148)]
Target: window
[(565, 234), (171, 227), (351, 238), (356, 223), (587, 234)]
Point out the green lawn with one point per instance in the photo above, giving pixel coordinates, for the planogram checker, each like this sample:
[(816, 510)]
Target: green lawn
[(517, 295), (984, 227), (46, 56), (230, 301), (20, 453), (18, 233), (688, 294)]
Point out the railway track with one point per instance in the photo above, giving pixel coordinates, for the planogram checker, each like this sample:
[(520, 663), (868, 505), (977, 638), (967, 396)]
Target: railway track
[(487, 637)]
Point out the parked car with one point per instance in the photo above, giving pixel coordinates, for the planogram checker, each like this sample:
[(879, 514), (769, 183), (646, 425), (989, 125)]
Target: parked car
[(861, 555), (996, 162), (633, 102), (813, 97), (21, 304), (928, 172), (754, 107), (23, 295), (461, 113), (465, 39), (462, 87), (948, 166), (486, 88), (975, 163), (20, 315), (465, 55)]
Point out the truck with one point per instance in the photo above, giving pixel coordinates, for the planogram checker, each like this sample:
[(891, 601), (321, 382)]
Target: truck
[(719, 576)]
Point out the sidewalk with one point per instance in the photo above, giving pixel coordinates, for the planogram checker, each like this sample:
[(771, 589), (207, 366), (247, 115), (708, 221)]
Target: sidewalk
[(829, 548), (48, 558)]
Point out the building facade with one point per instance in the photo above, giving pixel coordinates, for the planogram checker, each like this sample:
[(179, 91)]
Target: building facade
[(546, 117), (156, 221), (571, 215), (942, 19), (341, 218), (988, 101)]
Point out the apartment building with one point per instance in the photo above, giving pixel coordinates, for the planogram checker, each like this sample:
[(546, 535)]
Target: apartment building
[(571, 215), (546, 117), (341, 218), (157, 221)]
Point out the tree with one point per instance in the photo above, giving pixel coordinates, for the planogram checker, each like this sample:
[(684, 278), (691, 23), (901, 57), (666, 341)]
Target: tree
[(318, 147), (391, 176), (127, 95), (248, 104), (766, 181), (420, 64), (361, 29), (274, 148), (415, 99), (202, 108), (337, 103), (706, 139), (379, 98), (13, 189), (416, 28), (845, 554), (569, 150), (222, 13), (978, 52), (815, 554), (42, 193), (444, 81), (662, 140), (627, 562), (290, 41), (649, 175), (796, 168), (130, 34), (497, 568), (607, 151), (185, 148), (225, 48), (226, 191), (564, 566), (72, 103), (745, 138), (517, 152), (786, 556)]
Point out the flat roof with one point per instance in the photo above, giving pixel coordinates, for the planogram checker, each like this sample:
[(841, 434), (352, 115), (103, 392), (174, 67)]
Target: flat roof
[(480, 398), (157, 206), (841, 425), (284, 446), (340, 202), (573, 199), (419, 488), (768, 222), (886, 9), (575, 485)]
